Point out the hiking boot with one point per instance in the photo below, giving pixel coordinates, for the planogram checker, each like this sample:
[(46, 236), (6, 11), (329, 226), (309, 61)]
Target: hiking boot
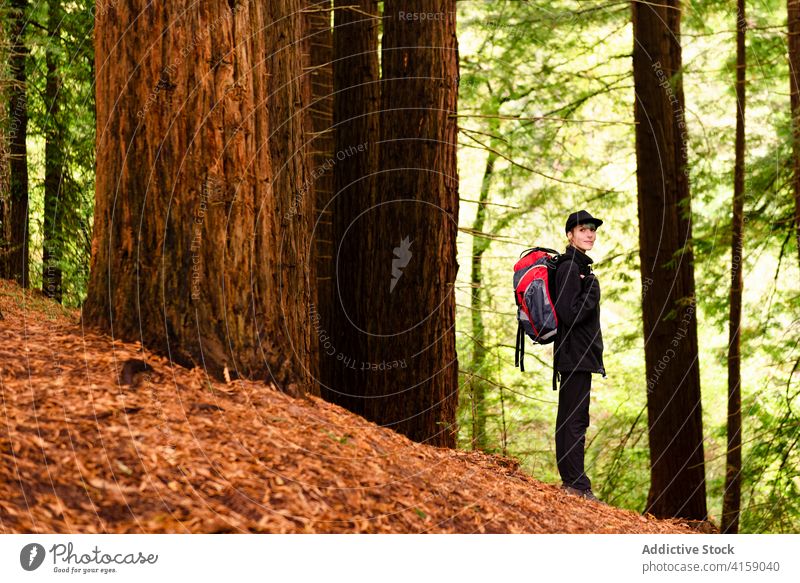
[(572, 491), (586, 494), (589, 495)]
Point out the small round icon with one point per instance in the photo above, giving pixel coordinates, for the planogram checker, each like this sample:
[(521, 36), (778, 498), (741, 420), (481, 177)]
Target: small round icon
[(31, 556)]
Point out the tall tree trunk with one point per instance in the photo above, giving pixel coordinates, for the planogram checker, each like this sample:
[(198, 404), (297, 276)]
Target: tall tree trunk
[(5, 199), (793, 7), (320, 67), (17, 247), (733, 469), (677, 471), (479, 352), (354, 166), (53, 162), (201, 231), (411, 244)]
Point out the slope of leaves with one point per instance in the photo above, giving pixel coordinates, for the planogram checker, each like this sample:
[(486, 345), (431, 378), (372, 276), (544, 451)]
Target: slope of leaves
[(175, 452)]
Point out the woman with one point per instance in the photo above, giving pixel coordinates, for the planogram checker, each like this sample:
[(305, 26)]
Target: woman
[(578, 350)]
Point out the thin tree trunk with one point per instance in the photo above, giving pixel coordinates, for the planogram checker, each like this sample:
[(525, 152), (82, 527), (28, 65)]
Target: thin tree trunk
[(733, 470), (677, 470), (17, 257), (354, 166), (411, 244), (504, 430), (479, 352), (53, 162), (793, 7), (201, 238)]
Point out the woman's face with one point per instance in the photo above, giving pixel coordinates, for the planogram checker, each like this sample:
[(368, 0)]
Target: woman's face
[(583, 236)]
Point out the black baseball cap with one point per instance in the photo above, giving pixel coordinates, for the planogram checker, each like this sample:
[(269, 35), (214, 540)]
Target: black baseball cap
[(581, 217)]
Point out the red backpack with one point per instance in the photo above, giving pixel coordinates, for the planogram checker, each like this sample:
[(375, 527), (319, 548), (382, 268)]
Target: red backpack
[(534, 287)]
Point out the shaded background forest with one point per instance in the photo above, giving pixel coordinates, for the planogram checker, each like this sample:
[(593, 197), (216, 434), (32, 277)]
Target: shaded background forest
[(546, 125)]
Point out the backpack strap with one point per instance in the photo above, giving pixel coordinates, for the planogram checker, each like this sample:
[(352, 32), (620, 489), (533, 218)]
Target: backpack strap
[(555, 358), (519, 349), (560, 258)]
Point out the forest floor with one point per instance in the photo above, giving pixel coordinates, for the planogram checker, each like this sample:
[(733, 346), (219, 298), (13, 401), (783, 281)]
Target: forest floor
[(82, 453)]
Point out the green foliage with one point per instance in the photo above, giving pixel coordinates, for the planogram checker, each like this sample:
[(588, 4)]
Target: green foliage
[(771, 502), (548, 87), (70, 44)]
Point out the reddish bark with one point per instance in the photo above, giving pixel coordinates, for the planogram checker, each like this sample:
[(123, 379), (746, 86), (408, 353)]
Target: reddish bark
[(201, 225)]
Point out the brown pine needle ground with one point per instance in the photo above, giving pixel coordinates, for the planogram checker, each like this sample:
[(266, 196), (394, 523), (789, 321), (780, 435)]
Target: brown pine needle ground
[(80, 453)]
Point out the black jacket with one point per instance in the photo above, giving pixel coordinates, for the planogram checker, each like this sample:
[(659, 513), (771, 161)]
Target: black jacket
[(579, 342)]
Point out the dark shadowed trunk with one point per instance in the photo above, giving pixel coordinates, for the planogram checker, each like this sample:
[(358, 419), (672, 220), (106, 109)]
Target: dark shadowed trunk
[(202, 231), (354, 166), (677, 470), (17, 245), (410, 249), (793, 7), (391, 350), (53, 162), (731, 502), (5, 200), (320, 71)]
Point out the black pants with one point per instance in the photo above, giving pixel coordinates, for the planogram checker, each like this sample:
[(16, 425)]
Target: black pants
[(571, 424)]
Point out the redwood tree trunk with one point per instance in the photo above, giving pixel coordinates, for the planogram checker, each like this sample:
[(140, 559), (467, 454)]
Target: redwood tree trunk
[(5, 199), (793, 7), (677, 473), (410, 249), (53, 163), (320, 68), (354, 166), (731, 502), (17, 245), (201, 238)]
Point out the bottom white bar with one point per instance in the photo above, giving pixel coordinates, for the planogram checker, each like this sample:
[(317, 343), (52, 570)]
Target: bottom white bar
[(418, 558)]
